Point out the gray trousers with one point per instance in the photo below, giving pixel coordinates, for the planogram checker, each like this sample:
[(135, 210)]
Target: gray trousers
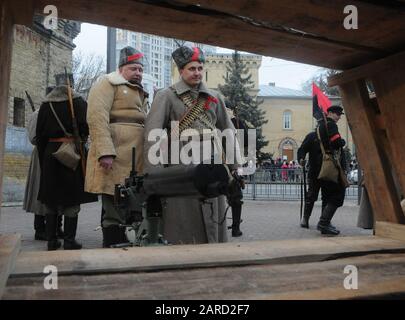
[(111, 215)]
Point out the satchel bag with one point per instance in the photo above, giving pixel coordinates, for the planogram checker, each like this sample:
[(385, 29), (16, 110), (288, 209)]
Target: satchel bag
[(329, 170), (66, 153)]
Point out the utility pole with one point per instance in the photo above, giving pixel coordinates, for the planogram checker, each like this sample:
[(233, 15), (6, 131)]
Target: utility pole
[(111, 49)]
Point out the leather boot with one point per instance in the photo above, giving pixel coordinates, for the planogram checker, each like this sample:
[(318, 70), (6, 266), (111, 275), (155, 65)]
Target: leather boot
[(323, 207), (307, 213), (70, 234), (51, 226), (236, 213), (324, 224), (59, 232), (112, 235), (39, 226)]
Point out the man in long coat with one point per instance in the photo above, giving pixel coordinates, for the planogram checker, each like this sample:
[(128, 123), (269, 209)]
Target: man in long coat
[(61, 188), (31, 203), (116, 115), (188, 221)]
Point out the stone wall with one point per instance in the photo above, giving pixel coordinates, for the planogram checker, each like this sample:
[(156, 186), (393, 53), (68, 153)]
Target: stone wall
[(38, 54)]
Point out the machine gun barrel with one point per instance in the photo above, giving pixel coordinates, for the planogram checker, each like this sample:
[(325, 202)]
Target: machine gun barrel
[(197, 181)]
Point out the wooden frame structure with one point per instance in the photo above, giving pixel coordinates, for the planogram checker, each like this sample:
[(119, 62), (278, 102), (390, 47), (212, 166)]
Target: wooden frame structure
[(304, 31)]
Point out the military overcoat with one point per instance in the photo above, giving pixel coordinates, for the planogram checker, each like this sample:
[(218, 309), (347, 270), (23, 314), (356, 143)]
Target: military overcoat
[(116, 116), (187, 221)]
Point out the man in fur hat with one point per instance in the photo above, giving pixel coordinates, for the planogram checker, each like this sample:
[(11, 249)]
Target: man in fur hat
[(189, 220), (116, 115), (61, 188)]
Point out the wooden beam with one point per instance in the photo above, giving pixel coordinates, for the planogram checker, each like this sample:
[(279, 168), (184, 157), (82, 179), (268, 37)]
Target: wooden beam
[(322, 18), (390, 230), (367, 70), (9, 248), (211, 29), (389, 86), (374, 161), (379, 275), (23, 11), (142, 259), (6, 43)]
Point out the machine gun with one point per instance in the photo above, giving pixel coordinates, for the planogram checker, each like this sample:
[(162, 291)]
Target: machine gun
[(140, 197)]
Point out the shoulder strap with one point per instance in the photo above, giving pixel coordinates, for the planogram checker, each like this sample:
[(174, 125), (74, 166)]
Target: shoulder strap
[(57, 119), (320, 140)]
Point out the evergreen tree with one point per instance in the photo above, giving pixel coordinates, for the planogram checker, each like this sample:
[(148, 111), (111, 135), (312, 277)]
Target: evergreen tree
[(237, 83)]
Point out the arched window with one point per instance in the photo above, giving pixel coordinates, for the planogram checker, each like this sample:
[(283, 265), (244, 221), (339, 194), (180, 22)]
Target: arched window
[(287, 120)]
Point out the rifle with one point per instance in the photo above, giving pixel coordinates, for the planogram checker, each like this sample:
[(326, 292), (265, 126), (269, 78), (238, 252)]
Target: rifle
[(76, 135), (30, 101)]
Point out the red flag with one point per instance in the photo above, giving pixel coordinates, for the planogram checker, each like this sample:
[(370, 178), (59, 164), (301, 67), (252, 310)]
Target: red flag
[(320, 102)]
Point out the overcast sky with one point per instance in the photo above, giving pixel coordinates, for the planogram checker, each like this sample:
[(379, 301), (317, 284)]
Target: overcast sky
[(287, 74)]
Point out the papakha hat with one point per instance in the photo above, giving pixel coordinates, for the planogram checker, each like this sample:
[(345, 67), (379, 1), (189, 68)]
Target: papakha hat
[(60, 79), (130, 55), (184, 55)]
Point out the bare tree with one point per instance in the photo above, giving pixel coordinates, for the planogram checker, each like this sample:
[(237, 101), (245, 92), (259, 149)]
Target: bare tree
[(86, 69), (321, 80)]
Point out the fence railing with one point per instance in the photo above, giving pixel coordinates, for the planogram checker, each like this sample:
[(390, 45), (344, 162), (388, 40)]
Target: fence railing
[(281, 184)]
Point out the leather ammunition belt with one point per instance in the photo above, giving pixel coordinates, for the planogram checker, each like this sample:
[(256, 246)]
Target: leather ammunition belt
[(195, 111)]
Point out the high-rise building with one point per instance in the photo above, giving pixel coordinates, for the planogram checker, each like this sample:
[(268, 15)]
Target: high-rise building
[(157, 51)]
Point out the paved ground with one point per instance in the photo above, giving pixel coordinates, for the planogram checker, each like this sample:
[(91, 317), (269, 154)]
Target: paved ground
[(262, 220)]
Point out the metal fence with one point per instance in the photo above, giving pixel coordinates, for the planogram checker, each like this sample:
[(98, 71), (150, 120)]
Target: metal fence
[(281, 184)]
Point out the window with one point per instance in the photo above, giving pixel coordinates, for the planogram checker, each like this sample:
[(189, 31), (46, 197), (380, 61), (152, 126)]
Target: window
[(19, 112), (287, 125)]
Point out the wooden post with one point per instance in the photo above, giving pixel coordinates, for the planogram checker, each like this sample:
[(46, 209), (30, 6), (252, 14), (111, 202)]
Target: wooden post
[(390, 92), (6, 42), (371, 153)]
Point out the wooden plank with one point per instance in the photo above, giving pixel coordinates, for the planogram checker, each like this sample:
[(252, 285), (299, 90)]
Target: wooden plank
[(193, 256), (390, 92), (6, 41), (23, 11), (378, 275), (213, 29), (390, 230), (367, 70), (9, 248), (324, 19), (374, 161)]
